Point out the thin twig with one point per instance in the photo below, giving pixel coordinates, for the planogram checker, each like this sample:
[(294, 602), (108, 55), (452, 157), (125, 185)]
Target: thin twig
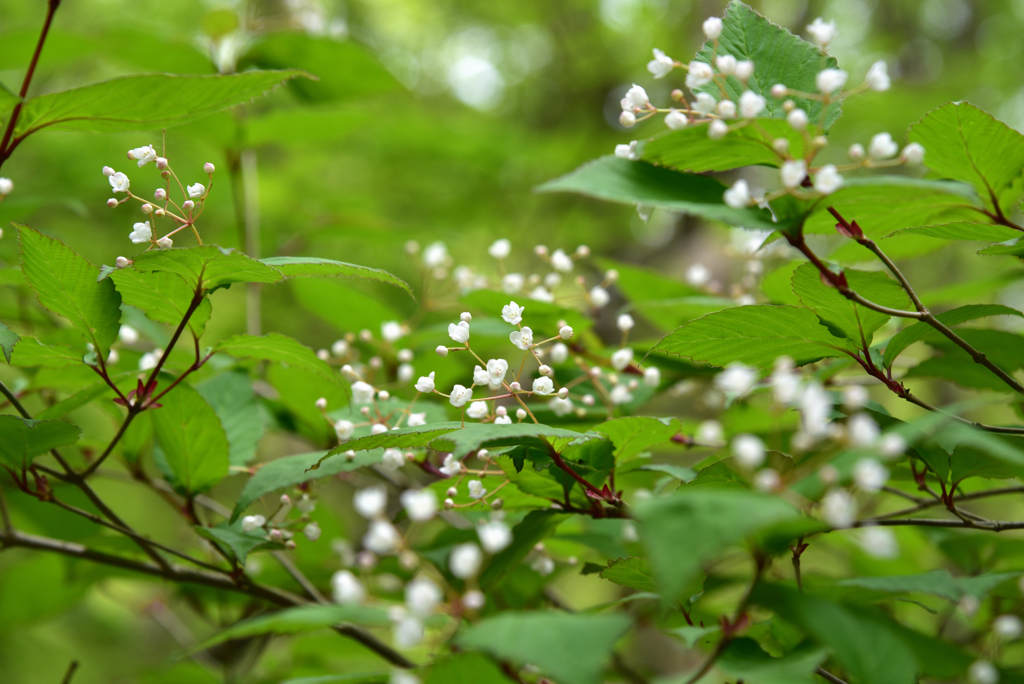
[(72, 667), (828, 676)]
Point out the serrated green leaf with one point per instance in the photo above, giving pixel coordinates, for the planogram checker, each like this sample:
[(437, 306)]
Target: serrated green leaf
[(294, 470), (474, 436), (543, 638), (635, 182), (30, 353), (922, 331), (232, 538), (144, 103), (635, 434), (193, 446), (967, 144), (634, 573), (66, 285), (22, 439), (402, 438), (207, 267), (744, 660), (936, 583), (232, 398), (299, 619), (295, 267), (963, 230), (779, 56), (691, 150), (165, 297), (755, 335), (8, 338), (843, 317), (279, 349)]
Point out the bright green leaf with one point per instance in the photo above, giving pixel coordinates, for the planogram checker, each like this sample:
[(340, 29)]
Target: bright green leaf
[(963, 230), (922, 331), (207, 267), (635, 434), (22, 439), (692, 151), (279, 349), (295, 267), (193, 446), (465, 668), (634, 573), (164, 297), (8, 338), (30, 352), (232, 398), (230, 536)]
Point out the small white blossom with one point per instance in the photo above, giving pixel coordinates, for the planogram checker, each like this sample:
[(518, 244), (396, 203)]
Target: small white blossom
[(503, 420), (500, 249), (382, 537), (422, 596), (622, 358), (344, 429), (565, 332), (676, 120), (451, 466), (419, 504), (522, 338), (705, 104), (477, 410), (913, 154), (435, 255), (561, 406), (727, 110), (838, 509), (426, 383), (699, 74), (737, 378), (494, 536), (749, 450), (828, 180), (862, 429), (391, 331), (417, 419), (744, 69), (149, 360), (559, 353), (476, 489), (636, 97), (542, 294), (460, 395), (459, 332), (882, 146), (251, 523), (767, 480), (698, 275), (652, 376), (465, 560), (879, 542), (797, 119), (362, 393), (480, 376), (561, 261), (983, 672), (628, 151), (118, 181), (392, 459), (143, 155), (196, 191), (661, 65), (599, 297), (543, 565), (128, 334), (620, 394), (543, 386), (709, 432), (407, 633), (870, 475), (141, 232), (370, 502), (624, 322), (627, 119), (793, 172), (1007, 627), (712, 27), (347, 588), (512, 313), (878, 77), (738, 196), (822, 32), (892, 445), (165, 243), (830, 80), (474, 599), (496, 370), (726, 64), (311, 531)]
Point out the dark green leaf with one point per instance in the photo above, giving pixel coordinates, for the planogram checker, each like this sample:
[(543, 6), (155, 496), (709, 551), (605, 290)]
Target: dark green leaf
[(635, 434), (299, 619), (232, 398), (544, 638), (295, 267), (164, 296), (922, 331), (477, 435), (193, 444), (963, 230), (745, 660), (231, 537), (22, 439), (207, 267), (692, 151), (634, 573), (279, 349), (66, 285), (465, 668)]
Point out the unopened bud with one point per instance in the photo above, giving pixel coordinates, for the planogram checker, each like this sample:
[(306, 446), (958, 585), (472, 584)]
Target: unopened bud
[(544, 370), (209, 168), (565, 333), (290, 545), (321, 403), (452, 491), (466, 316), (121, 262), (160, 194), (147, 208), (188, 205), (165, 243), (540, 250), (107, 171), (383, 395), (449, 504), (515, 387), (442, 350), (677, 95), (582, 252), (160, 212), (521, 414), (286, 500), (161, 163), (563, 393), (497, 504), (112, 203)]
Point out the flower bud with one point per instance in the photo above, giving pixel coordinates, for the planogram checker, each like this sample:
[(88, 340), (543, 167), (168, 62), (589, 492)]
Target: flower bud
[(383, 395), (449, 504), (112, 203), (147, 208), (321, 403), (856, 152), (121, 262), (161, 163), (521, 414), (160, 212), (466, 316), (563, 393), (188, 205), (286, 500), (497, 504), (107, 171), (515, 387), (676, 95), (544, 370), (452, 491), (779, 91), (209, 168), (165, 243), (565, 332), (627, 119), (441, 350)]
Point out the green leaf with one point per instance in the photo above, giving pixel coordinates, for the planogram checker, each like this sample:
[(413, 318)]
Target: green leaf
[(636, 434), (164, 296), (744, 660), (299, 619), (968, 144), (633, 572), (755, 335), (402, 438), (343, 306), (230, 537), (30, 352), (144, 103), (692, 151), (724, 517), (66, 285), (544, 638), (922, 331), (279, 349), (842, 317), (935, 583), (534, 528), (295, 267), (76, 400), (22, 439), (780, 57), (8, 338), (193, 444), (207, 267), (465, 668), (633, 182), (232, 398), (862, 641), (294, 470), (963, 230), (477, 435)]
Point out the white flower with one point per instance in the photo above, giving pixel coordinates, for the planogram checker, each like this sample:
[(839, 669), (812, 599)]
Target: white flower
[(661, 65), (512, 283), (381, 538), (726, 64), (652, 376), (838, 509), (767, 480), (736, 379), (419, 504), (627, 119), (913, 154), (882, 146), (855, 397), (822, 32), (622, 358), (983, 672), (494, 536), (408, 632), (559, 353), (417, 419), (503, 420), (785, 386), (370, 502), (879, 542), (543, 565), (892, 445), (128, 334), (1007, 627), (862, 429), (628, 151), (196, 191), (165, 243), (477, 410), (522, 338), (344, 429), (560, 261), (744, 69), (878, 77), (561, 407), (392, 459), (7, 185), (459, 332), (748, 450), (251, 523), (148, 360), (620, 394), (451, 466), (599, 297), (624, 322), (712, 27), (465, 560), (426, 383), (636, 97), (435, 255), (391, 331), (797, 119), (512, 313), (144, 155), (738, 196), (705, 103), (675, 120), (815, 405), (347, 588), (362, 393), (480, 376), (699, 74), (870, 475), (460, 395), (118, 181), (709, 432), (830, 80), (500, 249), (476, 489), (543, 386), (698, 275), (793, 172), (751, 104), (496, 370), (565, 332), (827, 180), (727, 109), (542, 294), (141, 232), (311, 531)]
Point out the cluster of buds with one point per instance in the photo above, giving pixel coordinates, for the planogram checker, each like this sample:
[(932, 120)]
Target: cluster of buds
[(278, 528), (798, 175), (183, 214)]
